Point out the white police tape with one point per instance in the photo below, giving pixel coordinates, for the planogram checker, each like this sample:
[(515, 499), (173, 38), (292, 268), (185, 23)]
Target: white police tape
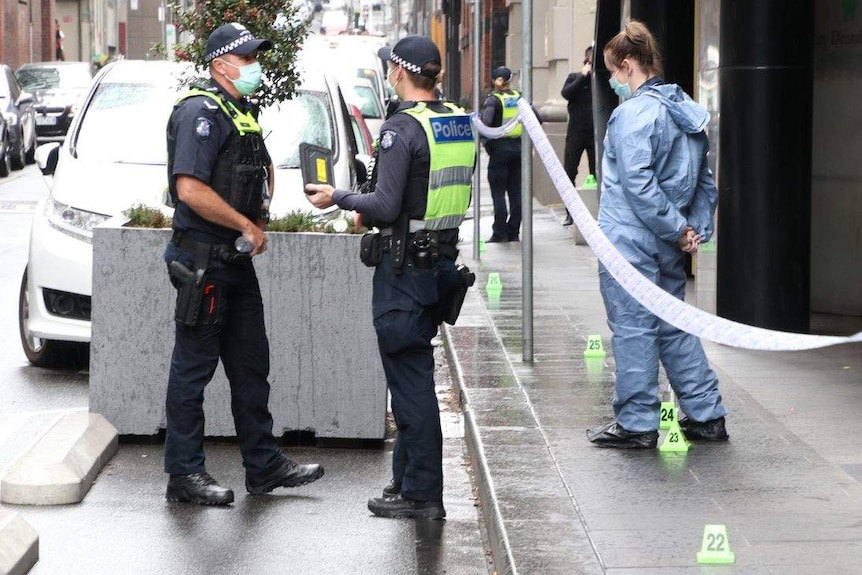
[(672, 310)]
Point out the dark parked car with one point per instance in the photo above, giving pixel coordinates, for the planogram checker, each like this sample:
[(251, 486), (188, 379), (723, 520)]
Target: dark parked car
[(16, 104), (59, 88), (5, 148)]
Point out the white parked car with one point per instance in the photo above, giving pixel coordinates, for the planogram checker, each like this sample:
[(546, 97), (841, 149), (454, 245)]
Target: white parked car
[(352, 56), (114, 157), (360, 93), (317, 114)]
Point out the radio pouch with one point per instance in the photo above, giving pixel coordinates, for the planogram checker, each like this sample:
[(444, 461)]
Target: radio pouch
[(371, 249)]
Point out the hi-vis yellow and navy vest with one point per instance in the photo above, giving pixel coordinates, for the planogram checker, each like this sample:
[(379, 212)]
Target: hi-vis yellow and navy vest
[(240, 173), (453, 156), (510, 110)]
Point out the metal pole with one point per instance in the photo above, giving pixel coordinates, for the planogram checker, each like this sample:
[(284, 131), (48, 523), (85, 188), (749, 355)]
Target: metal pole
[(477, 86), (31, 32), (526, 187)]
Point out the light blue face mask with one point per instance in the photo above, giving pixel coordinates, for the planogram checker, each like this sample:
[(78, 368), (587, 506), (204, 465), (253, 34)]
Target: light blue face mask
[(250, 77), (624, 91)]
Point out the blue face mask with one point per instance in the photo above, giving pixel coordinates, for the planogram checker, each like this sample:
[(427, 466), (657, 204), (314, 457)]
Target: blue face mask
[(624, 91), (250, 77)]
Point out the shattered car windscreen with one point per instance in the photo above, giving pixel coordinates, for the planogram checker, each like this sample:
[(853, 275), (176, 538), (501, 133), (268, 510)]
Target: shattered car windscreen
[(305, 118)]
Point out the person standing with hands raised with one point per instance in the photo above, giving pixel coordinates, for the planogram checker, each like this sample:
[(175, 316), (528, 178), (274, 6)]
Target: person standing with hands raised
[(578, 91)]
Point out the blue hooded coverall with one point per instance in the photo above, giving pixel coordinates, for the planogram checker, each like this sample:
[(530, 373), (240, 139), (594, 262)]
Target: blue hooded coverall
[(655, 182)]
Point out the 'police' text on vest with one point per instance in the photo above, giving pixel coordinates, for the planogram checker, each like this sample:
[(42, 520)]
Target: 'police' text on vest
[(449, 129)]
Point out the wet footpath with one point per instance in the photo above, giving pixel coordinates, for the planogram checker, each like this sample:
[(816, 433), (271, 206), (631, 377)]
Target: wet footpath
[(783, 495)]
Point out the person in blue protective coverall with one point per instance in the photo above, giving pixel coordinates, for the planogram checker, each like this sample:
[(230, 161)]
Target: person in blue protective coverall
[(658, 202)]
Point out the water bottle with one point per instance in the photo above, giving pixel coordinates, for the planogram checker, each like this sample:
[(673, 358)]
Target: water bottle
[(243, 246)]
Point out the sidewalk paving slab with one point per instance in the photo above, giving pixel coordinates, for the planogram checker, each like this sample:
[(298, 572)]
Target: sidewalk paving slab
[(786, 485)]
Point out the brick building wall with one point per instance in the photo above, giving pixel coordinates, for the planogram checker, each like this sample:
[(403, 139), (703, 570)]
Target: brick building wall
[(143, 30), (491, 36), (47, 30), (15, 25)]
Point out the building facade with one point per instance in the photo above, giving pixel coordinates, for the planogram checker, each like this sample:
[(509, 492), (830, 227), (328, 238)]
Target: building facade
[(780, 79)]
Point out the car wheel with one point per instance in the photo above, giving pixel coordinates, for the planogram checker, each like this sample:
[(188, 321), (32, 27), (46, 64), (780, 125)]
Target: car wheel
[(18, 157), (5, 163), (45, 352)]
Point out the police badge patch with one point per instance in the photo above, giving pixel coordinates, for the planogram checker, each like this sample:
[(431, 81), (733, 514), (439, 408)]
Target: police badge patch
[(202, 128), (387, 138)]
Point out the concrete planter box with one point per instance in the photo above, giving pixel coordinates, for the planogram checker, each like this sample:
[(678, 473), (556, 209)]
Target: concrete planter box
[(325, 374)]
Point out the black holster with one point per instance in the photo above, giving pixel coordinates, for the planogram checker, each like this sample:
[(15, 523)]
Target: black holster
[(190, 286), (449, 308), (190, 292)]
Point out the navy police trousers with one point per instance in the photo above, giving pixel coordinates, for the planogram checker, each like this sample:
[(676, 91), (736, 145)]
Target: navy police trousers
[(404, 307), (232, 328)]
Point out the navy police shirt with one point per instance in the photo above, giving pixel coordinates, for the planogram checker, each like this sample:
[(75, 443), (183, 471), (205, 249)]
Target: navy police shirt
[(200, 129), (403, 164)]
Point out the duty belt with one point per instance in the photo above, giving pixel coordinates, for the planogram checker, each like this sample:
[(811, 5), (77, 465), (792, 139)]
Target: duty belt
[(445, 249), (187, 242)]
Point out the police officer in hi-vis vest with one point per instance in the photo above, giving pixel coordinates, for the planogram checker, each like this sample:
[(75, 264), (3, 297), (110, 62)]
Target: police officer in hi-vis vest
[(220, 179), (422, 191), (504, 163)]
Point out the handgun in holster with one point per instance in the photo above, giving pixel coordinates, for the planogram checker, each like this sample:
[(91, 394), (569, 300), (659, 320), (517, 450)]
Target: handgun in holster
[(190, 286)]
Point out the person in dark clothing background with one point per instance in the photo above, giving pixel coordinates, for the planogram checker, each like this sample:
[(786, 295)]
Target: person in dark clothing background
[(579, 132)]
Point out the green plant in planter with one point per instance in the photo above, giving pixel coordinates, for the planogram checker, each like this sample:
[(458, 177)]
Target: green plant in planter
[(274, 20), (141, 216), (302, 221)]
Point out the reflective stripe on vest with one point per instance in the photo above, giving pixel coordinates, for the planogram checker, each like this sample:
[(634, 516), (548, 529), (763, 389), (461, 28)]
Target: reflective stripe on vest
[(244, 122), (453, 156), (510, 110)]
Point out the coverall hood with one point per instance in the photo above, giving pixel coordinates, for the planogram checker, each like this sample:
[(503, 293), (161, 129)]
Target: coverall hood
[(690, 116)]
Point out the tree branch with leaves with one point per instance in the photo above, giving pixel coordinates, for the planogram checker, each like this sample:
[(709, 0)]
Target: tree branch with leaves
[(273, 20)]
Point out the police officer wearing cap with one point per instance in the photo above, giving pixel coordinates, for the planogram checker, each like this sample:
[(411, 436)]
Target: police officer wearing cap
[(220, 178), (504, 163), (425, 167)]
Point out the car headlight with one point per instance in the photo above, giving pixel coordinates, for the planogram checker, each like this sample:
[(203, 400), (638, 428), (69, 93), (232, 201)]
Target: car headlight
[(11, 119), (72, 221)]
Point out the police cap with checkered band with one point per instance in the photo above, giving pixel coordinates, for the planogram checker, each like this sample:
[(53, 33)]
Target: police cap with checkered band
[(414, 53), (233, 38)]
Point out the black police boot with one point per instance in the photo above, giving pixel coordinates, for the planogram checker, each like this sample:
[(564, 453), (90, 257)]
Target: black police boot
[(393, 489), (399, 507), (712, 430), (613, 435), (496, 239), (198, 488), (568, 221), (287, 474)]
